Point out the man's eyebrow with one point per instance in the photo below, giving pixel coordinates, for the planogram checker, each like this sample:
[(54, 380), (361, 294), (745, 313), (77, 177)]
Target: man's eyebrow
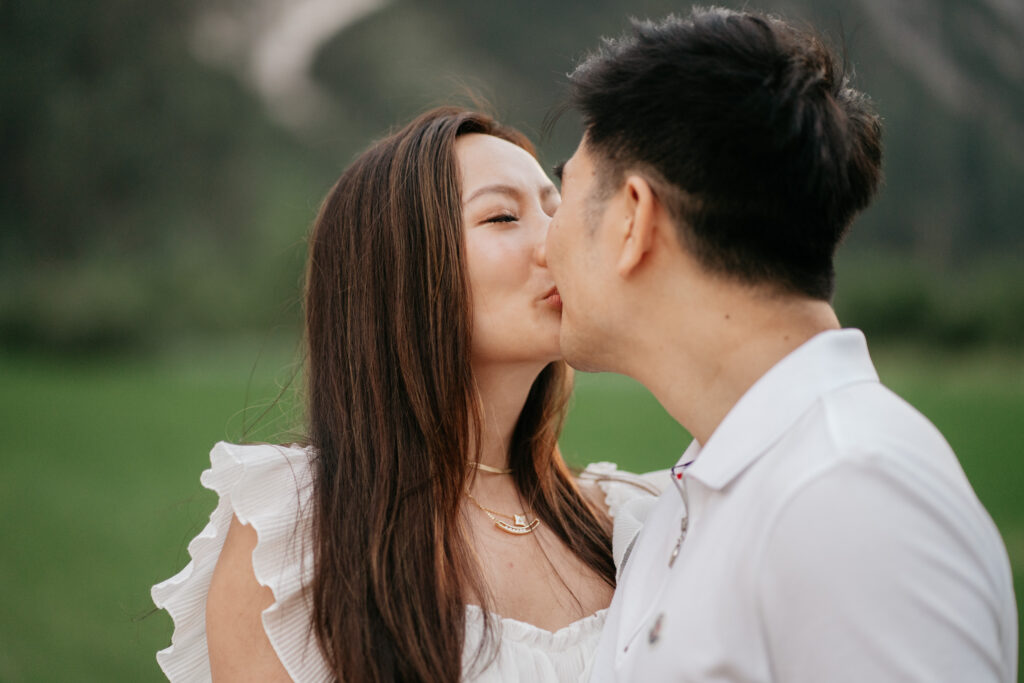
[(558, 169)]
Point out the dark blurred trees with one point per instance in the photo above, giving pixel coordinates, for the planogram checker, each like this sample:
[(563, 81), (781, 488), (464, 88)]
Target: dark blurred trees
[(132, 175), (93, 106)]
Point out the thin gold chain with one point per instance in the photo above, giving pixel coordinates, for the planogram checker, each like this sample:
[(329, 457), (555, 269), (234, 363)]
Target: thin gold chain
[(489, 511)]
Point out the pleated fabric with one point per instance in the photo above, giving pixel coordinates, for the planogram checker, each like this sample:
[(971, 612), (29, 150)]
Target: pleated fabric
[(269, 487)]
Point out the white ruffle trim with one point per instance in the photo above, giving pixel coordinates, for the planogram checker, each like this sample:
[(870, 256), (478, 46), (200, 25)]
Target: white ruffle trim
[(529, 654), (266, 487), (629, 497)]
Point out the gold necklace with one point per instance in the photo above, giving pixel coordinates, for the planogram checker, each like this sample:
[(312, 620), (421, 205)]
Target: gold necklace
[(519, 525), (487, 468)]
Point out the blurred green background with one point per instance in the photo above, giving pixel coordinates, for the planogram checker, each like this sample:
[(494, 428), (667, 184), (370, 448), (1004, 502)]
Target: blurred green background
[(160, 165)]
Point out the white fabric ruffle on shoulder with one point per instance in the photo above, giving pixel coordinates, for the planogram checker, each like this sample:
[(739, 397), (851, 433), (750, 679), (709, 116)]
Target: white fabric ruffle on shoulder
[(268, 487), (629, 497)]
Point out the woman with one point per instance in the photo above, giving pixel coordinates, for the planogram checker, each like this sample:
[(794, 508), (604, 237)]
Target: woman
[(430, 497)]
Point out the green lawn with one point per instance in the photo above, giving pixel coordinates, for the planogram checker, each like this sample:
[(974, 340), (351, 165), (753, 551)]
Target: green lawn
[(100, 495)]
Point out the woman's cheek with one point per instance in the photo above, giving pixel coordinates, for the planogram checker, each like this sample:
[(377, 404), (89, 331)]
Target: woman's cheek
[(495, 262)]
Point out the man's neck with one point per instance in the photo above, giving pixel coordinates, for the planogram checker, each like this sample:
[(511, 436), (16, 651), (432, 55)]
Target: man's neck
[(699, 365)]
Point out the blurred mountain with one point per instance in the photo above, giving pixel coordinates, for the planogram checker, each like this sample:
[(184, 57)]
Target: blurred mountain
[(947, 76), (160, 164)]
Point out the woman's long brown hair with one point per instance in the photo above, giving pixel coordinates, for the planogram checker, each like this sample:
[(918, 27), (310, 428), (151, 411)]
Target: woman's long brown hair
[(393, 413)]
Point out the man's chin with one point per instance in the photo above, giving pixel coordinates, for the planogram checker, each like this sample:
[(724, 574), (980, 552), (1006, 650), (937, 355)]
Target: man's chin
[(579, 354)]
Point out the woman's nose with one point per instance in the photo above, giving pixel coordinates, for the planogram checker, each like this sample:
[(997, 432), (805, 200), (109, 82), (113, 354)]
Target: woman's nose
[(540, 249)]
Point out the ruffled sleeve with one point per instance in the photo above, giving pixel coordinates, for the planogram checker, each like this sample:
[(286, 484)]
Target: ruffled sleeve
[(629, 498), (268, 488)]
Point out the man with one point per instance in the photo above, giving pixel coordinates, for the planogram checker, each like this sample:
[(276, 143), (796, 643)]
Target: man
[(820, 529)]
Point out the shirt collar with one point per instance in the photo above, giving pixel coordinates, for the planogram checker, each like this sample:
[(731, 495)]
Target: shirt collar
[(824, 363)]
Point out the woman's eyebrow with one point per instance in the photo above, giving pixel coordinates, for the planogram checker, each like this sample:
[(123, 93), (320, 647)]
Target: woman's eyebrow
[(510, 191), (497, 189)]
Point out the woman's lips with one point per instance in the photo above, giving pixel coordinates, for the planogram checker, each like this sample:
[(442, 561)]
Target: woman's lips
[(554, 299)]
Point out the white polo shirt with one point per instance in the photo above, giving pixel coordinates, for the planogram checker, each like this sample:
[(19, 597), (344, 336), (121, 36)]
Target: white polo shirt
[(832, 537)]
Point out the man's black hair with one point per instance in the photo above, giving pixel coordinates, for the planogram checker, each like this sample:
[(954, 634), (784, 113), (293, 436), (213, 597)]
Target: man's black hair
[(748, 131)]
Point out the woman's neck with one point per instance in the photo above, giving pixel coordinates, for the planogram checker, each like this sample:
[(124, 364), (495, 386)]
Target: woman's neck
[(502, 391)]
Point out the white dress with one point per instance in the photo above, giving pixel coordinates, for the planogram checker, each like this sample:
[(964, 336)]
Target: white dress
[(268, 488)]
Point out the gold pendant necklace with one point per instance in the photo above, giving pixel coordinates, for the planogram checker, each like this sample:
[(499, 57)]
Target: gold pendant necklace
[(519, 524)]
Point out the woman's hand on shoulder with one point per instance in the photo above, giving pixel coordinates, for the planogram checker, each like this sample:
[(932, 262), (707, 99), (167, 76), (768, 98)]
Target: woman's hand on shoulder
[(238, 646)]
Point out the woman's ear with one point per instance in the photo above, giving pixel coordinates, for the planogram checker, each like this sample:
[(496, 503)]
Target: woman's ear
[(639, 223)]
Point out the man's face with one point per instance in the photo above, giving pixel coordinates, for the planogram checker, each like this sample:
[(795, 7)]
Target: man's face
[(580, 263)]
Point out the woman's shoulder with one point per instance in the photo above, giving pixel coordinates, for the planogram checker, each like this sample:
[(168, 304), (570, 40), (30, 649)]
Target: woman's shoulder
[(266, 487)]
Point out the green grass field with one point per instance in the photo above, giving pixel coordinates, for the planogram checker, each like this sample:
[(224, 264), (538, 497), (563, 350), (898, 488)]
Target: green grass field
[(100, 493)]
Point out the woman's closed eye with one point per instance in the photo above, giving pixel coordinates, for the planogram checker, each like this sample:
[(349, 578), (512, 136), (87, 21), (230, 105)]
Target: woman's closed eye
[(503, 218)]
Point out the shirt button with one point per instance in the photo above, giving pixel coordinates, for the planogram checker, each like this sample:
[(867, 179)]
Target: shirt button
[(655, 632)]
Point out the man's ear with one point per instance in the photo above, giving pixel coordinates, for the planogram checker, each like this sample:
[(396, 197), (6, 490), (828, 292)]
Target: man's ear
[(641, 206)]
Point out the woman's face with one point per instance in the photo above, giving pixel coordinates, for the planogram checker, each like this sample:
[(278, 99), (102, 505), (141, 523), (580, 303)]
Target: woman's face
[(507, 203)]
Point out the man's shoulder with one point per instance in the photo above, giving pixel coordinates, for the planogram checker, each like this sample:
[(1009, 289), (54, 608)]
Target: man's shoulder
[(867, 443), (872, 414), (864, 457), (867, 424)]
